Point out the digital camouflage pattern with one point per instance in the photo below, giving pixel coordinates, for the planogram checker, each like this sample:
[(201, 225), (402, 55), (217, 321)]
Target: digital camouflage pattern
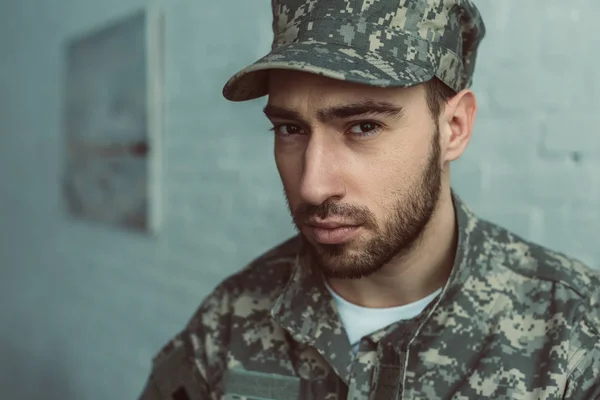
[(514, 321), (375, 42)]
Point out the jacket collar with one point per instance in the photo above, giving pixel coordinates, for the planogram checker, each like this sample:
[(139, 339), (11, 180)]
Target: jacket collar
[(306, 310)]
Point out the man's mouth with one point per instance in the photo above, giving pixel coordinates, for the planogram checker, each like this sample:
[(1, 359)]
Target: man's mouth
[(332, 232)]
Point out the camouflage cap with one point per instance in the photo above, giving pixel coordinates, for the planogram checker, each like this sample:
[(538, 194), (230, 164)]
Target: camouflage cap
[(386, 43)]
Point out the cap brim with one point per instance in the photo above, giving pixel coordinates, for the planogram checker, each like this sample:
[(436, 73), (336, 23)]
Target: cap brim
[(329, 60)]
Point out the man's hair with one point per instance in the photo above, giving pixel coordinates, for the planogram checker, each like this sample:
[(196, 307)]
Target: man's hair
[(438, 93)]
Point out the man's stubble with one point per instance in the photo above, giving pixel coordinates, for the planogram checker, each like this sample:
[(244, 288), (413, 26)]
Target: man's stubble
[(392, 238)]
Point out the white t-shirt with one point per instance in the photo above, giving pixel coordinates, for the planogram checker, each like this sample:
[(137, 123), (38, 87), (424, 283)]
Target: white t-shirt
[(361, 321)]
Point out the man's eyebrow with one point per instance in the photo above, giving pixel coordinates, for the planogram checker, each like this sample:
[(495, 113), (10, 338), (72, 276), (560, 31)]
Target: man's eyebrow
[(272, 111), (356, 109)]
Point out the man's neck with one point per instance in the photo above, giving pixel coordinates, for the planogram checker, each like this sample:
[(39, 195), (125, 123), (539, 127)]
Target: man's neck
[(413, 276)]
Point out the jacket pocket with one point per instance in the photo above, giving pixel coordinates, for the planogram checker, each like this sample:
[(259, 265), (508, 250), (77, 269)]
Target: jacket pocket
[(240, 384)]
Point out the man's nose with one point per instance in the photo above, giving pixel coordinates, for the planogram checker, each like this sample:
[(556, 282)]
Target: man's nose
[(321, 178)]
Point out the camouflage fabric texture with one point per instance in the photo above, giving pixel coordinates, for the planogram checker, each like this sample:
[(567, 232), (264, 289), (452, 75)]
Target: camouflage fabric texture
[(383, 43), (514, 321)]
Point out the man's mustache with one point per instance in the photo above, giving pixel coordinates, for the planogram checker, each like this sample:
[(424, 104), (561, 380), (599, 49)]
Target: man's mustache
[(353, 215)]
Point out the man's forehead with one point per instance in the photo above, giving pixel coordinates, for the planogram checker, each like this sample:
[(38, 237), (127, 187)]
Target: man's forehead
[(295, 89)]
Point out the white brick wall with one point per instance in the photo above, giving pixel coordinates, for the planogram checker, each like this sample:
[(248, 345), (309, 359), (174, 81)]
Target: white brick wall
[(536, 147), (83, 308)]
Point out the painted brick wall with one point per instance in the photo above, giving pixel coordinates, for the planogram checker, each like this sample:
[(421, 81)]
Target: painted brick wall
[(83, 308)]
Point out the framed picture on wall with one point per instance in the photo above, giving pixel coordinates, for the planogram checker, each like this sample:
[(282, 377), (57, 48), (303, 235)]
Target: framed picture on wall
[(114, 123)]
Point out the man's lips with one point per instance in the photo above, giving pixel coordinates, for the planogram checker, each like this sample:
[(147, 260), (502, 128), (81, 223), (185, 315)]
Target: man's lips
[(330, 225), (330, 232)]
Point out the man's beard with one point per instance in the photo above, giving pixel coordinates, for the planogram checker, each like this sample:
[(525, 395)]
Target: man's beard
[(394, 238)]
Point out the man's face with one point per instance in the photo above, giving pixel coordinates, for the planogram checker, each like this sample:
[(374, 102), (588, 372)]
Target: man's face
[(360, 167)]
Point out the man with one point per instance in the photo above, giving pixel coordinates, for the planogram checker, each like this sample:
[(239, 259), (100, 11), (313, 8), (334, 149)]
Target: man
[(393, 289)]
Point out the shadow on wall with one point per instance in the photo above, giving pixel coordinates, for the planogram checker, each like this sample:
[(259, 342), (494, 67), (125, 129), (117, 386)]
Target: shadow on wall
[(30, 376)]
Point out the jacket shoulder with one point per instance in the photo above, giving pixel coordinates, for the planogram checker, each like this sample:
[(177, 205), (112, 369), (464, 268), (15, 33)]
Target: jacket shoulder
[(240, 303), (265, 276), (576, 283)]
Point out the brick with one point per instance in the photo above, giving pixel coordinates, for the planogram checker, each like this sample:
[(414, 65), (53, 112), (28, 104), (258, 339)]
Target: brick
[(518, 219), (572, 134), (574, 231), (505, 139), (538, 183)]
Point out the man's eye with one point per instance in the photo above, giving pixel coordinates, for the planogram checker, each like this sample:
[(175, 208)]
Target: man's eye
[(286, 129), (365, 128)]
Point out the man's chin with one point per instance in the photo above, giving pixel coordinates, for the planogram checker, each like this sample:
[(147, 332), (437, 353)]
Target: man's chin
[(330, 257), (329, 253), (345, 271)]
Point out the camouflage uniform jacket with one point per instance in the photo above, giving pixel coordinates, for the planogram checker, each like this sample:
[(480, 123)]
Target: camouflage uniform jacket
[(514, 321)]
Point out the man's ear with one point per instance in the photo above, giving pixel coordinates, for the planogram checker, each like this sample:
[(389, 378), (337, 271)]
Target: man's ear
[(456, 123)]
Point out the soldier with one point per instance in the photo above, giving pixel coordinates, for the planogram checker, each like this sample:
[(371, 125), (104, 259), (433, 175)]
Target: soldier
[(393, 288)]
